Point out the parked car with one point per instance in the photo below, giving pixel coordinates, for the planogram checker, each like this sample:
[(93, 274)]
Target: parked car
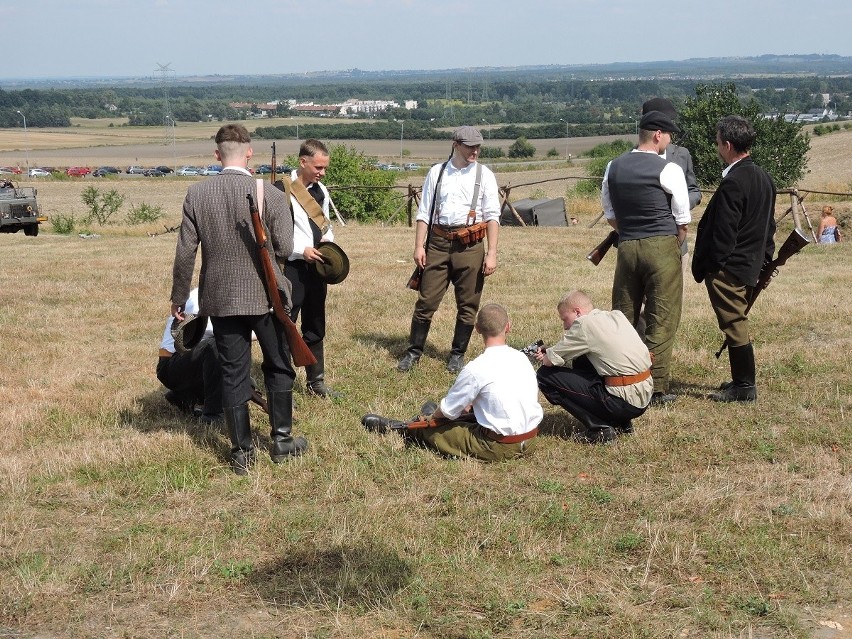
[(189, 170), (39, 173), (411, 166), (101, 171), (393, 167), (78, 171), (213, 169), (135, 170), (10, 170), (153, 173), (165, 169)]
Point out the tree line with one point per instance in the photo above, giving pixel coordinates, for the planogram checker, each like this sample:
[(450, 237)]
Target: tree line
[(509, 100)]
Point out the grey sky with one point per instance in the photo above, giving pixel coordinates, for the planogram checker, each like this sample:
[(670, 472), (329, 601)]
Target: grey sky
[(99, 38)]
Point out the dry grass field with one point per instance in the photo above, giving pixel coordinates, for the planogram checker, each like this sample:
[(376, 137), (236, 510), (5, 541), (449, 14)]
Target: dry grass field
[(120, 518)]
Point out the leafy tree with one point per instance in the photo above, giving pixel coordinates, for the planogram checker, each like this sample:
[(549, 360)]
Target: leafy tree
[(521, 148), (781, 147), (601, 155), (348, 169)]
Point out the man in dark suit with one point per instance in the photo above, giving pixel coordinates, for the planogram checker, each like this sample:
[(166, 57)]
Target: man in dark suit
[(232, 292), (734, 240)]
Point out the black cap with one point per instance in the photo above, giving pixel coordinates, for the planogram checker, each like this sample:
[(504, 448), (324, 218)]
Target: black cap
[(662, 105), (656, 121)]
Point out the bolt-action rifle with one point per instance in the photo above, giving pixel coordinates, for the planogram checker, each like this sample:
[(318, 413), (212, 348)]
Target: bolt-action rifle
[(302, 355), (794, 243), (600, 250)]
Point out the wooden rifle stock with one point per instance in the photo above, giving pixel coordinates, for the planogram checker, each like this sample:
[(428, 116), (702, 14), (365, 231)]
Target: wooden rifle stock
[(600, 250), (274, 165), (794, 243), (427, 422), (302, 355)]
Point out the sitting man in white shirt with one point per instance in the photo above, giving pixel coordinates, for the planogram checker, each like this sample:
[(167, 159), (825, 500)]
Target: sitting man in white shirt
[(491, 413)]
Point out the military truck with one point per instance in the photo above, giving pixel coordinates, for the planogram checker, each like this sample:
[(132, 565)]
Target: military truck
[(19, 209)]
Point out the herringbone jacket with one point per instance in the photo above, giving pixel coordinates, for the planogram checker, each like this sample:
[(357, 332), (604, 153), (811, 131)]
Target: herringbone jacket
[(216, 217)]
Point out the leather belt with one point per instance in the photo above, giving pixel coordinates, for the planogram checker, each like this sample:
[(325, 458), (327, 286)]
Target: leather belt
[(165, 353), (510, 439), (627, 380), (448, 233)]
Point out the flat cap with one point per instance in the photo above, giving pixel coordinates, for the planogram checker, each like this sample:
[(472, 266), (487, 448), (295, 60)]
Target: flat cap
[(467, 135), (656, 121), (662, 105)]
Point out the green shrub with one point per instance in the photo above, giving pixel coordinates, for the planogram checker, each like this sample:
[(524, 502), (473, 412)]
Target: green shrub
[(144, 213), (552, 153), (492, 152), (102, 206), (521, 148), (62, 224)]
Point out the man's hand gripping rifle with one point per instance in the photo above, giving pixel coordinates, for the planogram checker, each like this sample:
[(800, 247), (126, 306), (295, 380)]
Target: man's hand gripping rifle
[(794, 243)]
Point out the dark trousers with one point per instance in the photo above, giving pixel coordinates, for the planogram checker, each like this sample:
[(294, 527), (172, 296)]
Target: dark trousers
[(729, 300), (309, 293), (195, 376), (233, 340), (581, 391), (451, 262)]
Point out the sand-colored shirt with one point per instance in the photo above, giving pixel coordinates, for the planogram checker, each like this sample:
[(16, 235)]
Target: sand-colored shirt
[(613, 347)]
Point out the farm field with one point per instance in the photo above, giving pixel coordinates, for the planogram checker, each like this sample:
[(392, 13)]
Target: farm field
[(119, 517)]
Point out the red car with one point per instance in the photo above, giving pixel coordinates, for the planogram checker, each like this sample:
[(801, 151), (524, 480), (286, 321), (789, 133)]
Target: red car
[(10, 170), (78, 171)]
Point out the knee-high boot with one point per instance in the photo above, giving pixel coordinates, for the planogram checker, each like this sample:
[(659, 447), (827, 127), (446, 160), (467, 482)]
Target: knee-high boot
[(743, 386), (284, 445), (416, 342), (239, 429), (461, 339), (315, 374)]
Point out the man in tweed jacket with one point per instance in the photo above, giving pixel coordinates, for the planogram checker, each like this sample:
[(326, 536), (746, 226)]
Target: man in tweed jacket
[(216, 217)]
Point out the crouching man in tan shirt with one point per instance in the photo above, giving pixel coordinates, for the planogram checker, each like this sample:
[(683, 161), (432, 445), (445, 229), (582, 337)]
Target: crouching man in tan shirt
[(599, 371)]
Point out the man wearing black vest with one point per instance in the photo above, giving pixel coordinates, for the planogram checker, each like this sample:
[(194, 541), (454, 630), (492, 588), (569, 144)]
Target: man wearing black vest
[(645, 199), (734, 240)]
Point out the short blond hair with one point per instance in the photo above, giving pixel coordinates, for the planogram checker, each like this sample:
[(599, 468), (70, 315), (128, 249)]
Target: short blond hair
[(575, 299), (491, 320)]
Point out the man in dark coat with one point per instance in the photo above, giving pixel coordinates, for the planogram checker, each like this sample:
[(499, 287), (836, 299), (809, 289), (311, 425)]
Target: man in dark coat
[(733, 241)]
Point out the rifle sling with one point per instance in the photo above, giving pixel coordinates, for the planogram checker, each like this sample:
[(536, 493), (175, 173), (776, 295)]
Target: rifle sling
[(307, 202)]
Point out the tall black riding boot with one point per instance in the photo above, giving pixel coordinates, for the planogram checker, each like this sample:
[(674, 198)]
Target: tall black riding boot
[(284, 445), (239, 428), (461, 338), (416, 342), (315, 374), (743, 388)]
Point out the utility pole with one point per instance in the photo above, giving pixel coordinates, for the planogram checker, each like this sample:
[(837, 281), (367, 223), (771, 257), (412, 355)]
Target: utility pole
[(27, 140)]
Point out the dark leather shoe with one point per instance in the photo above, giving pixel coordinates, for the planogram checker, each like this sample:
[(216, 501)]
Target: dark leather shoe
[(211, 418), (600, 435), (378, 424), (428, 408), (661, 399), (407, 362), (455, 363), (242, 460), (625, 429), (291, 447), (179, 401), (734, 393), (321, 390)]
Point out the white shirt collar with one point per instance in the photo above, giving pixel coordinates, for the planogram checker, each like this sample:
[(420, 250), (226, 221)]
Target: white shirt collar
[(241, 169)]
